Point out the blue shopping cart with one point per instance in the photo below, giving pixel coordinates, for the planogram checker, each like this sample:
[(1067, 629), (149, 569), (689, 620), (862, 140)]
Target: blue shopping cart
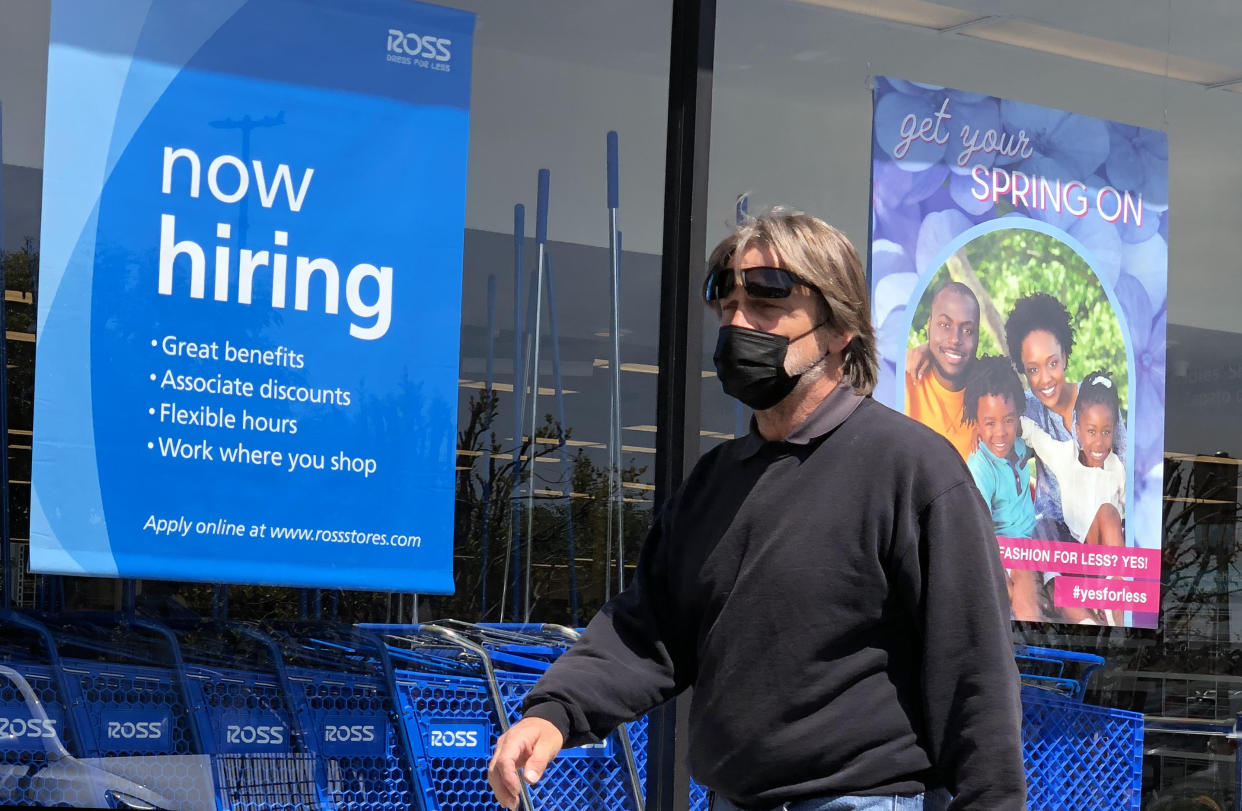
[(1065, 672), (342, 685), (104, 717), (1077, 755), (261, 752), (460, 701)]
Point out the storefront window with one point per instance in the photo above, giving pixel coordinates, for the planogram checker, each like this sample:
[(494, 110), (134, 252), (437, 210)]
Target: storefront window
[(553, 478), (554, 458), (793, 125)]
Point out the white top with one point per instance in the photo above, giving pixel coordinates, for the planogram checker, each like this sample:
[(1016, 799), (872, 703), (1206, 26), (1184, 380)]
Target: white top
[(1083, 489)]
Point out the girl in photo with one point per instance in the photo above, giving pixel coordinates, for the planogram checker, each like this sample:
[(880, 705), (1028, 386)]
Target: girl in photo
[(1092, 478)]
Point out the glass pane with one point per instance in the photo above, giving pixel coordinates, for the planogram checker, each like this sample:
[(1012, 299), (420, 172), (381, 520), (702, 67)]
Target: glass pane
[(792, 125), (200, 695)]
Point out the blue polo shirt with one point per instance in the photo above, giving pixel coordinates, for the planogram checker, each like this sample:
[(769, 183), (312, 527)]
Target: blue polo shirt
[(1006, 487)]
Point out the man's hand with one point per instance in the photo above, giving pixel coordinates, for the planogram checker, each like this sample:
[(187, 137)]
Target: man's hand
[(528, 746)]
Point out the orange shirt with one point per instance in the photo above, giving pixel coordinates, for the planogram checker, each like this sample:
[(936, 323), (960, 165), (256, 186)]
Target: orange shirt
[(940, 410)]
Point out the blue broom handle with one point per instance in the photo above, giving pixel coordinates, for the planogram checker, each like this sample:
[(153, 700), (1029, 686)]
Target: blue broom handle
[(614, 196)]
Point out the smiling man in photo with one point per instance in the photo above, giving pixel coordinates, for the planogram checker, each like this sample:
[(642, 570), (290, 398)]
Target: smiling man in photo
[(936, 399)]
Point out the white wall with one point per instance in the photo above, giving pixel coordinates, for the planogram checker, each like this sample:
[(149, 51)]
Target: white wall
[(792, 111), (792, 119)]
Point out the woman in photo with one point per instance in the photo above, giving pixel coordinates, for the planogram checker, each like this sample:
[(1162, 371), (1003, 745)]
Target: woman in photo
[(1040, 340)]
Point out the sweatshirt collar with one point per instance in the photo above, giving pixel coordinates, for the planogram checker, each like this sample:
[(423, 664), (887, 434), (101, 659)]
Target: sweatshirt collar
[(840, 403)]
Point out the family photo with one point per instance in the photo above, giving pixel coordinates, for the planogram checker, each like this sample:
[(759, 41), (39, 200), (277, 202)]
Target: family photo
[(1016, 357)]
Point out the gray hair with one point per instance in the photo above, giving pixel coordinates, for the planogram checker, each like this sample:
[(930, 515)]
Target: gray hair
[(823, 257)]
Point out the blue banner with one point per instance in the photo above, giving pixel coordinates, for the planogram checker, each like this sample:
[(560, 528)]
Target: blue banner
[(250, 292)]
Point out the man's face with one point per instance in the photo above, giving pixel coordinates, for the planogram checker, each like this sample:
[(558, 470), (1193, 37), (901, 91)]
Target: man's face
[(997, 417), (792, 317), (952, 337)]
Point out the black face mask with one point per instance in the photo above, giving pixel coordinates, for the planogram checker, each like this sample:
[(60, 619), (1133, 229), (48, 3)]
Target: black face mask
[(751, 366)]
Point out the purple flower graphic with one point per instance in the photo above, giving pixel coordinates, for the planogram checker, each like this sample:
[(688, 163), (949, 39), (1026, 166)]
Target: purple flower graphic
[(938, 230), (1138, 162), (1147, 335), (1103, 245), (894, 277), (1078, 143), (898, 113), (960, 188), (1148, 262), (897, 195), (949, 115), (891, 338), (885, 385), (922, 89)]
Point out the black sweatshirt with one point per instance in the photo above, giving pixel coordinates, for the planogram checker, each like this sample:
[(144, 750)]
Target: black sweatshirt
[(836, 600)]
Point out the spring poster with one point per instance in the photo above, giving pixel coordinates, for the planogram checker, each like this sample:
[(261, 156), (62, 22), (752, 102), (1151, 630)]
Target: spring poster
[(1019, 280), (250, 294)]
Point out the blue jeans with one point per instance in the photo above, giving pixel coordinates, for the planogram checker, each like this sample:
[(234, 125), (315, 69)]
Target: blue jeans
[(935, 800)]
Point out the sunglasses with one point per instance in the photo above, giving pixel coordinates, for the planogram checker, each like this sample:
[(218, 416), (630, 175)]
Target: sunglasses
[(762, 282)]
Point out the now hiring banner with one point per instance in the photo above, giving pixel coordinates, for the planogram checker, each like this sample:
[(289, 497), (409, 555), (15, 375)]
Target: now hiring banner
[(250, 291)]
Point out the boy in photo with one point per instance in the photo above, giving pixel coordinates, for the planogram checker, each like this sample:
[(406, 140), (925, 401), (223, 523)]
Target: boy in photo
[(998, 462)]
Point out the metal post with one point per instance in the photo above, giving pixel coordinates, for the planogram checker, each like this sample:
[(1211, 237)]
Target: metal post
[(677, 398), (742, 214), (614, 411), (513, 554), (541, 248), (129, 598), (485, 540), (6, 589), (619, 442), (566, 469)]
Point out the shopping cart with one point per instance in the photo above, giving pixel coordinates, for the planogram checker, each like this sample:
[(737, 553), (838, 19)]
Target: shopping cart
[(1076, 755), (343, 686), (1080, 756), (1065, 672), (98, 719), (261, 748), (460, 701)]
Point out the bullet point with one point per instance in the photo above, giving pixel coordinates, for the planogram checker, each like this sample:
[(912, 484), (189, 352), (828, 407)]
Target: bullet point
[(151, 411), (154, 342), (150, 445), (153, 375)]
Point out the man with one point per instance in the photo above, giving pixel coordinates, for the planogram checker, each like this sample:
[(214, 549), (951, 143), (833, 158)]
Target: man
[(952, 340), (829, 584)]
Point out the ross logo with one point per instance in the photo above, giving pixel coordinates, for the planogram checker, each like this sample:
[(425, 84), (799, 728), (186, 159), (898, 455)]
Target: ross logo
[(255, 734), (349, 733), (353, 735), (135, 730), (455, 740), (458, 739), (14, 728), (425, 50)]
